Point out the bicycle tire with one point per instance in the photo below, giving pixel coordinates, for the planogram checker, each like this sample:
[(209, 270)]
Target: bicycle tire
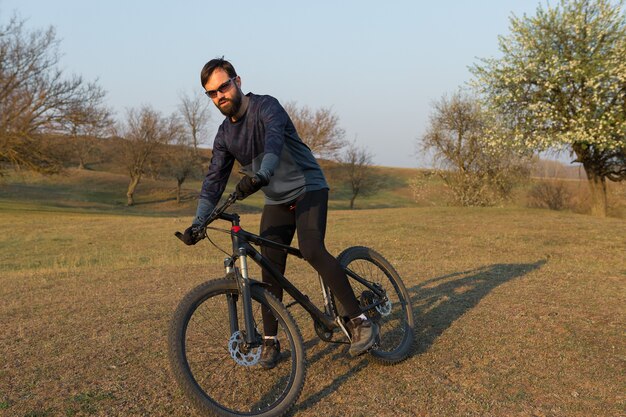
[(205, 368), (397, 322)]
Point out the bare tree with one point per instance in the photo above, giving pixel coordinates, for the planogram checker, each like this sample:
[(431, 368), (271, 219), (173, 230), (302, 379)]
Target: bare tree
[(319, 129), (476, 173), (35, 96), (85, 122), (183, 164), (144, 131), (357, 162), (182, 160), (194, 110)]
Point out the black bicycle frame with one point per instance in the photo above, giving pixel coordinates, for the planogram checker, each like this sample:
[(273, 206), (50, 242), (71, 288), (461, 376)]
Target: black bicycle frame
[(241, 247)]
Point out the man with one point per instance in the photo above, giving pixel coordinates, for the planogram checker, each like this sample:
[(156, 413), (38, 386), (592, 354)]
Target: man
[(258, 133)]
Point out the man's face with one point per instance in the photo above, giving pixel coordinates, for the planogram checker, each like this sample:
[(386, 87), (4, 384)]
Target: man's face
[(227, 93)]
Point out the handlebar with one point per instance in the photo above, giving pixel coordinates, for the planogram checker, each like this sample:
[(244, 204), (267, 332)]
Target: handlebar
[(218, 213)]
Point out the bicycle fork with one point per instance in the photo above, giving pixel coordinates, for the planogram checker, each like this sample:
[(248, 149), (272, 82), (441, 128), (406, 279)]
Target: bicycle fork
[(243, 282)]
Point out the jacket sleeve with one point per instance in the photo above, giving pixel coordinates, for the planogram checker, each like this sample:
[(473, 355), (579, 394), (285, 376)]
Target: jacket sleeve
[(275, 120), (215, 180)]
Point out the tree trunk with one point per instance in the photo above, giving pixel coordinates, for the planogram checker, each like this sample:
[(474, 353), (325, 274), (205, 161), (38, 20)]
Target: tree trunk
[(597, 186), (597, 182), (179, 184), (134, 180), (352, 200)]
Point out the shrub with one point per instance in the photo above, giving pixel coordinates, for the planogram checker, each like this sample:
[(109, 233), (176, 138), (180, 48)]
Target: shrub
[(553, 195)]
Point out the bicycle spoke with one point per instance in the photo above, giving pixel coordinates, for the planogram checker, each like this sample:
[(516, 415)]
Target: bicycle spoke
[(392, 309), (239, 388)]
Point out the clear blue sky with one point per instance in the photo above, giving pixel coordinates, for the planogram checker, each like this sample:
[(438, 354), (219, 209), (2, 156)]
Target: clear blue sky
[(378, 65)]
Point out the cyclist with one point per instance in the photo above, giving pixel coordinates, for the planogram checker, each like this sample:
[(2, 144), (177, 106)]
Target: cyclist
[(258, 133)]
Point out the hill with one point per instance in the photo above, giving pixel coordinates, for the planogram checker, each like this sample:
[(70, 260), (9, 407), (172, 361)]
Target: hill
[(101, 186)]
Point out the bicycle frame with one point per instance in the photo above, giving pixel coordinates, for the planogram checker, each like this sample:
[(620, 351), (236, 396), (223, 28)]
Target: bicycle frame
[(242, 250)]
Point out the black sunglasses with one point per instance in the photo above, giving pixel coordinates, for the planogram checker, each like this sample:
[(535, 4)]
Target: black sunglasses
[(222, 88)]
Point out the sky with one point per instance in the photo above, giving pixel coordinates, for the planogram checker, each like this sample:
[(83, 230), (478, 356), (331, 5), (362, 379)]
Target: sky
[(377, 65)]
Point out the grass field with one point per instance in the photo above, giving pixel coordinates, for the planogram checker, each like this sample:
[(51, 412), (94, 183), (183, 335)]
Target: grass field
[(519, 312)]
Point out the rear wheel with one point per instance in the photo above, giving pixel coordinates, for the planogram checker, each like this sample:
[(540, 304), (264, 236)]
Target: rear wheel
[(393, 312), (215, 368)]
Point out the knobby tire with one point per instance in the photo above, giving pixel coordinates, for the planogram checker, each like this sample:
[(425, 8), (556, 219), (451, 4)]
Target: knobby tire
[(207, 373), (396, 326)]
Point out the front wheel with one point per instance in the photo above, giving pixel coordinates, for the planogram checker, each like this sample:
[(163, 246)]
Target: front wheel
[(214, 366), (393, 311)]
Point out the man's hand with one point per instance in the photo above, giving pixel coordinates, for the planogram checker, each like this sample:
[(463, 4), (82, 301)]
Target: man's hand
[(248, 186), (192, 235)]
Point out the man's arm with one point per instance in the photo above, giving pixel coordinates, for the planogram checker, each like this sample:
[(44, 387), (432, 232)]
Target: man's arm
[(275, 120), (215, 181)]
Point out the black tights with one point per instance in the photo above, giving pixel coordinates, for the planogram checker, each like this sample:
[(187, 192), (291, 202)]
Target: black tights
[(279, 223)]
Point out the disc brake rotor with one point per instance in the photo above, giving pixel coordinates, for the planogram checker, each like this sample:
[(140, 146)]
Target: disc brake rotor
[(240, 354), (368, 298), (385, 308)]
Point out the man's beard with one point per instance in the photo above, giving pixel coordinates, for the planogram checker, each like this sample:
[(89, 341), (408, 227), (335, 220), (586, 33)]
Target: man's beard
[(230, 107)]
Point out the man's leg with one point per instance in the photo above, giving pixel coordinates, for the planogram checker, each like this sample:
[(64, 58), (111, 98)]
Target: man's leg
[(311, 213), (278, 224)]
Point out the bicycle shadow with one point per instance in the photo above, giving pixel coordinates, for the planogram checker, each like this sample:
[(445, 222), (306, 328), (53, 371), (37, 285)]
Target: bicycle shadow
[(437, 304), (440, 301)]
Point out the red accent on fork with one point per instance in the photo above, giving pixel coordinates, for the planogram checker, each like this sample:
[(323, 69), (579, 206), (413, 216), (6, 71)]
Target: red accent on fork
[(235, 229)]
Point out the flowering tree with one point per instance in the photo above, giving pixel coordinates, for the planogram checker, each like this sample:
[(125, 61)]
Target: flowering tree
[(560, 84)]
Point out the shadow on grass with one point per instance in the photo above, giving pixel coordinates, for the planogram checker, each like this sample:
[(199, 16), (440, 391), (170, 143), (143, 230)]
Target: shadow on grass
[(440, 301), (333, 351), (437, 303)]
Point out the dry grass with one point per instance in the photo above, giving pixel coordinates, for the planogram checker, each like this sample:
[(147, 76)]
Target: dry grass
[(519, 313)]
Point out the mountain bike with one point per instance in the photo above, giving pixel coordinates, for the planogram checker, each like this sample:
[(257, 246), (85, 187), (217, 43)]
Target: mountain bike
[(216, 334)]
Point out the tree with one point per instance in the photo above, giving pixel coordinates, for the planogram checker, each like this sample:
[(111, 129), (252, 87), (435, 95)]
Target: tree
[(560, 84), (476, 173), (194, 110), (183, 163), (319, 129), (85, 121), (144, 131), (357, 162), (182, 160), (35, 96)]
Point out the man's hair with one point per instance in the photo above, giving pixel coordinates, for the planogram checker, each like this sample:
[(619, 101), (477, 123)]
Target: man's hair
[(214, 64)]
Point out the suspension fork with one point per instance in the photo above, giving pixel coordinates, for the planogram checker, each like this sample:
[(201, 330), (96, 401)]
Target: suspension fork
[(231, 299), (243, 280)]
